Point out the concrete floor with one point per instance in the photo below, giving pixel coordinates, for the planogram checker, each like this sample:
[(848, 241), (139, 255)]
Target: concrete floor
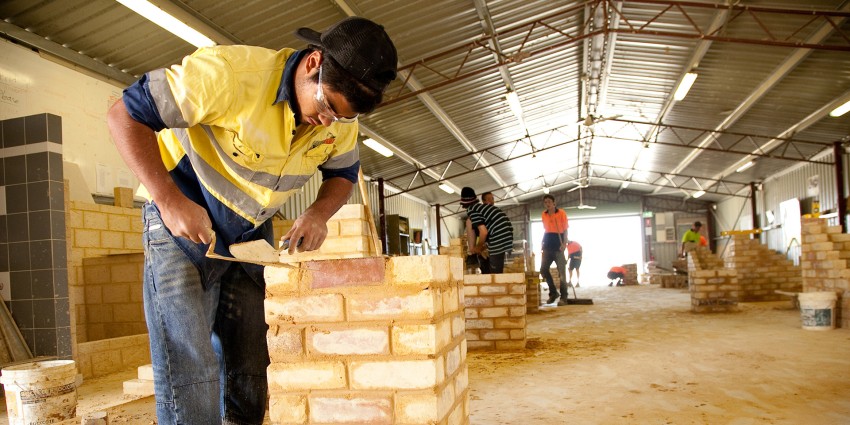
[(637, 356)]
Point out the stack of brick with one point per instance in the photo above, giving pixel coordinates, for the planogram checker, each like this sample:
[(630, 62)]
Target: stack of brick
[(456, 248), (113, 293), (761, 271), (348, 235), (143, 384), (532, 293), (495, 311), (680, 265), (631, 274), (825, 254), (673, 280), (369, 340), (516, 265), (713, 287)]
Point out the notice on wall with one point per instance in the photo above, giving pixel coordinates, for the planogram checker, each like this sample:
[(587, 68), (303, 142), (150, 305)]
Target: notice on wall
[(813, 186), (660, 236)]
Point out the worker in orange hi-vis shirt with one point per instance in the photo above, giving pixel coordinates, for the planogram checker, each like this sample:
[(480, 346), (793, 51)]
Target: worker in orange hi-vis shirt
[(616, 274), (574, 256)]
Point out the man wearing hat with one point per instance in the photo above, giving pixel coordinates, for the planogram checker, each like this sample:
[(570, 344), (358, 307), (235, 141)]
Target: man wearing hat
[(494, 229), (221, 141)]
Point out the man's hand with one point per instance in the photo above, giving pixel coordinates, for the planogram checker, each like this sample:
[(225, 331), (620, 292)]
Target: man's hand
[(310, 229), (185, 218)]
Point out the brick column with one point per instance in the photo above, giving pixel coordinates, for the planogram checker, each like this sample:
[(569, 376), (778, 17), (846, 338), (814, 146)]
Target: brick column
[(495, 311)]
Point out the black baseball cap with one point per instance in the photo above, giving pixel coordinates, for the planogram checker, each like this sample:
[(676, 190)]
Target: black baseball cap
[(361, 46)]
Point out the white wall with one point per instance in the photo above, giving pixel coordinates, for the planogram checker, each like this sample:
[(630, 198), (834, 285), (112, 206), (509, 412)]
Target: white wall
[(30, 84)]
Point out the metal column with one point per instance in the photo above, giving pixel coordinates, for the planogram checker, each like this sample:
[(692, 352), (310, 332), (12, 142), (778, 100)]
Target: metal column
[(382, 216), (439, 229), (841, 199), (753, 206)]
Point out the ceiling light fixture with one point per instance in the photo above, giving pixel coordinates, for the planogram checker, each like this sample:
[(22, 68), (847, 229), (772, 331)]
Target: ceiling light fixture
[(446, 188), (685, 86), (626, 184), (168, 22), (841, 110), (745, 166), (513, 102), (546, 189), (698, 193), (377, 147)]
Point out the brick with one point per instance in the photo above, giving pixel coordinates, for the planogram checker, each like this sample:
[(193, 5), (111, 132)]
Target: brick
[(480, 324), (288, 409), (450, 300), (127, 272), (481, 345), (284, 342), (333, 228), (128, 312), (316, 308), (116, 293), (495, 312), (458, 326), (354, 228), (414, 339), (359, 410), (145, 372), (421, 305), (118, 223), (345, 273), (344, 244), (106, 362), (93, 294), (306, 376), (413, 374), (495, 334), (477, 279), (416, 407), (456, 268), (350, 341), (350, 211), (86, 238), (138, 387), (508, 278), (492, 289), (95, 220), (133, 241), (509, 300), (478, 302), (453, 361), (418, 270), (281, 280), (509, 322)]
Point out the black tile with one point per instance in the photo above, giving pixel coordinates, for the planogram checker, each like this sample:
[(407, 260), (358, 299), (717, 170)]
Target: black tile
[(36, 131), (60, 282), (57, 196), (38, 195), (15, 169), (42, 284), (39, 225), (16, 198), (13, 132), (63, 312), (18, 225), (4, 257), (37, 167), (60, 256), (57, 225), (2, 172), (41, 255), (54, 128), (44, 313), (55, 167), (63, 341), (1, 134), (4, 234), (22, 313), (21, 286), (19, 256), (45, 342)]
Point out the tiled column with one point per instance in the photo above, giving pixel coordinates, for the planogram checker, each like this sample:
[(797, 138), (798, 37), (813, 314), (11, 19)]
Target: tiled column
[(33, 269)]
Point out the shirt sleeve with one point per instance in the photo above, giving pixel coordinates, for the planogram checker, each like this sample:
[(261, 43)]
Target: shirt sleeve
[(344, 160)]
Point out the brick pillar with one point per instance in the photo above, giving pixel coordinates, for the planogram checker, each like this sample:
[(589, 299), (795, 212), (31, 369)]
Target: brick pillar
[(368, 340), (825, 254), (495, 311)]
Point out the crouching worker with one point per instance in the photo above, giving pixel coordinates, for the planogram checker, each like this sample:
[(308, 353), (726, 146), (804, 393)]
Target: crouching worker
[(616, 275)]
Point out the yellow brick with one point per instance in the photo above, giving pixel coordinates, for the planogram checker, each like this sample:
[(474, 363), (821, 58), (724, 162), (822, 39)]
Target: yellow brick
[(118, 223), (333, 228), (317, 308), (123, 197), (111, 239), (282, 280), (416, 407), (288, 409), (350, 211), (116, 293), (87, 238), (106, 362), (418, 270), (413, 374), (354, 228), (306, 376), (346, 244), (347, 409), (95, 220), (421, 305), (414, 339), (349, 341)]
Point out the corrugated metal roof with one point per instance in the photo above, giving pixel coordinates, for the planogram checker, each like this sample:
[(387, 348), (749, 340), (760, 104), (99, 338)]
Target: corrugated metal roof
[(547, 57)]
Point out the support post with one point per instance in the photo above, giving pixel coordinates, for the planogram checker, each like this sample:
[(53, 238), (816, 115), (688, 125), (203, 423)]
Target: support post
[(382, 215), (439, 229), (753, 206), (841, 199)]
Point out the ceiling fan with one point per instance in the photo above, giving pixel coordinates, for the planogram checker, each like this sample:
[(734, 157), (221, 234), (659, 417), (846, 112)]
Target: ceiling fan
[(581, 205), (590, 119)]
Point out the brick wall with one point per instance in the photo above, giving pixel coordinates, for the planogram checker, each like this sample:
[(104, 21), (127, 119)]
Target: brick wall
[(369, 340), (761, 271), (99, 358), (113, 292), (348, 236), (495, 311), (532, 293), (825, 252), (713, 288), (96, 231)]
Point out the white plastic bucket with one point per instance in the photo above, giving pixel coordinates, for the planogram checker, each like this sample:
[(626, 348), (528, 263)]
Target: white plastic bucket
[(817, 310), (40, 392)]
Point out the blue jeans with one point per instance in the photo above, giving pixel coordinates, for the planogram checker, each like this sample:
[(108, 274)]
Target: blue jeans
[(207, 332)]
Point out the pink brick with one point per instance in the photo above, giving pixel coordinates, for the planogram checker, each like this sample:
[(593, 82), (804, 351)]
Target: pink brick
[(421, 305), (316, 308), (362, 410), (306, 376), (413, 374), (346, 273), (350, 341)]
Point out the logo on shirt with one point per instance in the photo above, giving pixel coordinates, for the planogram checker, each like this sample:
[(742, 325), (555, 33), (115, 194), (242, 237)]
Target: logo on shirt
[(328, 141)]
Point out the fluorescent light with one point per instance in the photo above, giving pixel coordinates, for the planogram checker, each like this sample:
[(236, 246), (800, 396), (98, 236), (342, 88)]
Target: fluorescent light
[(168, 22), (685, 86), (377, 147), (745, 166), (513, 102), (698, 193), (841, 110), (446, 188)]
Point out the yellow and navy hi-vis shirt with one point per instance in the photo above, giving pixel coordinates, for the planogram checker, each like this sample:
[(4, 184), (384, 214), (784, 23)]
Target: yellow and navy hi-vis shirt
[(228, 134)]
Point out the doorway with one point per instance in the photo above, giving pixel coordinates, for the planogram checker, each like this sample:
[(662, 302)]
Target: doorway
[(606, 242)]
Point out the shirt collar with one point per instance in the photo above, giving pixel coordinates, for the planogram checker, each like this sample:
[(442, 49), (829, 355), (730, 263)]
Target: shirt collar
[(286, 90)]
